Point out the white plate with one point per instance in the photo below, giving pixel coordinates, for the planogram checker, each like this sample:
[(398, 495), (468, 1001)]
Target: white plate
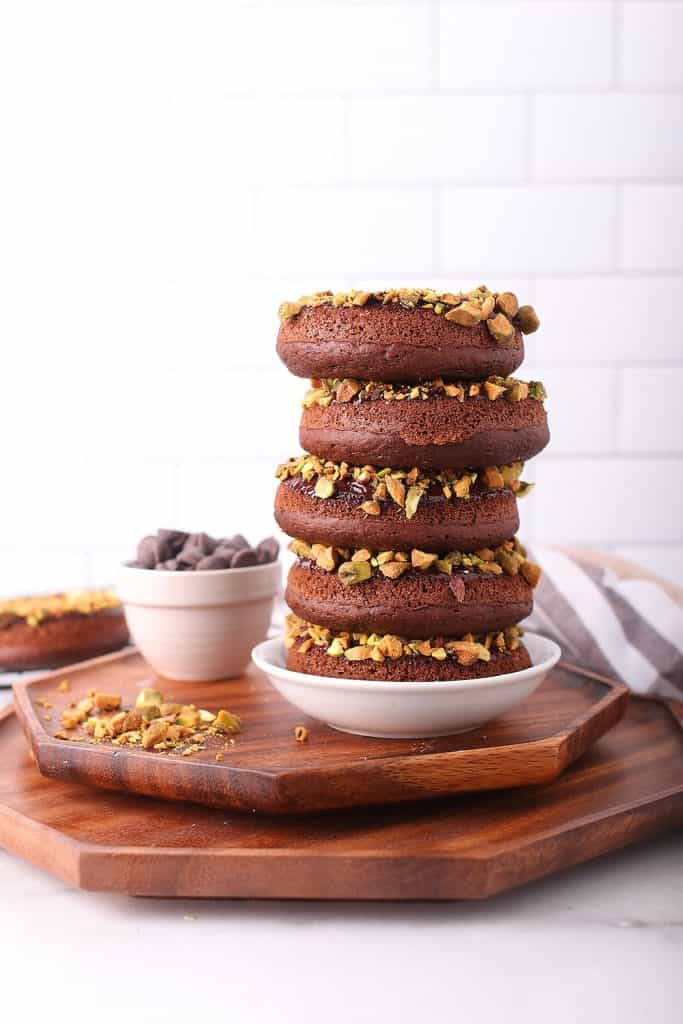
[(409, 710)]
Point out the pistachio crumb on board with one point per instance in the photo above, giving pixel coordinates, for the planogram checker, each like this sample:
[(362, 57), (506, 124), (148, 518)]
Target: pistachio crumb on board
[(151, 724)]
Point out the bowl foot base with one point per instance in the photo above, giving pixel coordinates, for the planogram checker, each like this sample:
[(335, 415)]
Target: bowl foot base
[(429, 735)]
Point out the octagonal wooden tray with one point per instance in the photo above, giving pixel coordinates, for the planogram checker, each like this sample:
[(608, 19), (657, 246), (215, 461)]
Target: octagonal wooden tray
[(628, 787), (267, 771)]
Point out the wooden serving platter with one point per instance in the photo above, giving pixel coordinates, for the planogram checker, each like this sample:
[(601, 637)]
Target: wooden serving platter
[(628, 787), (266, 770)]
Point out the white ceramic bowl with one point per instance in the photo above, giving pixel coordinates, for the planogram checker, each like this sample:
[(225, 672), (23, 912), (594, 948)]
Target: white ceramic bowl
[(198, 625), (394, 710)]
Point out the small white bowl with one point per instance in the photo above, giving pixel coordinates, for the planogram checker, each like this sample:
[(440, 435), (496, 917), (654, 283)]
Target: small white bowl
[(198, 625), (368, 707)]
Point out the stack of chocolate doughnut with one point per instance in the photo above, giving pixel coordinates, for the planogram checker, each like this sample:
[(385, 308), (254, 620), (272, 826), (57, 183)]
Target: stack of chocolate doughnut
[(404, 514)]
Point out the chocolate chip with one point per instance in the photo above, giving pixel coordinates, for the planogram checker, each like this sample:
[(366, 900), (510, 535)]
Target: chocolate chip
[(149, 551), (202, 542), (243, 558), (267, 550), (225, 552), (190, 556), (174, 538), (213, 562), (238, 541), (178, 551)]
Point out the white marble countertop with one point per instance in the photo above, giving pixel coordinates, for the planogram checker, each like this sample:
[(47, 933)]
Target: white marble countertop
[(602, 942)]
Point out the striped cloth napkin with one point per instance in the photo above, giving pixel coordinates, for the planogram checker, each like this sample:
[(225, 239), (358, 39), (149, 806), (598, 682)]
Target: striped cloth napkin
[(612, 617)]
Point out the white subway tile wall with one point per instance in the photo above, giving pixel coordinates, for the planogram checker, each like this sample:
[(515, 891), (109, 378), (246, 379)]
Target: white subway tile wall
[(172, 172)]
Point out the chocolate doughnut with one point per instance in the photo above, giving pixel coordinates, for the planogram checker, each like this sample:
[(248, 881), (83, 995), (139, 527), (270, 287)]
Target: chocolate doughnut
[(59, 629), (404, 334), (316, 651), (350, 506), (434, 426), (415, 605)]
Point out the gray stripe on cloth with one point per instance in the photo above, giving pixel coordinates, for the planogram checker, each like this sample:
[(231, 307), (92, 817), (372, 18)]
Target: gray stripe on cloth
[(651, 644), (557, 607)]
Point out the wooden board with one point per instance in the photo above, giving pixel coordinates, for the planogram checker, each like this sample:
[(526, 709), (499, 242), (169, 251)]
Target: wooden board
[(628, 787), (266, 770)]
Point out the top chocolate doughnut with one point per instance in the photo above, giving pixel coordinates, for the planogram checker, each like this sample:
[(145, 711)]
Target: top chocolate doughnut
[(404, 334)]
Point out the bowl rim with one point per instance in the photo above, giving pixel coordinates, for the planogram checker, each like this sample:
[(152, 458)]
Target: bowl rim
[(199, 573), (263, 659)]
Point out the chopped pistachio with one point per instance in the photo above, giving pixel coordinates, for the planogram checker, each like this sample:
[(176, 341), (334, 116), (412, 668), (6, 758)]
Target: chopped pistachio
[(467, 314), (347, 390), (393, 569), (465, 308), (493, 390), (354, 572), (492, 477), (154, 733), (413, 500), (507, 303), (531, 573), (147, 697), (361, 646), (454, 484), (325, 557), (422, 559), (362, 555), (527, 319), (523, 489), (227, 722), (371, 508), (189, 718), (324, 487), (107, 702), (150, 711), (520, 391), (495, 387), (501, 328), (360, 653), (396, 490)]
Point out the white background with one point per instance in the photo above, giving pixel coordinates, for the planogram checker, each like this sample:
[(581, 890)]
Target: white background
[(170, 171)]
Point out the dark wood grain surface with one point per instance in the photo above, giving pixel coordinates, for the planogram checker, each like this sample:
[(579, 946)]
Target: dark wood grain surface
[(267, 771), (627, 787)]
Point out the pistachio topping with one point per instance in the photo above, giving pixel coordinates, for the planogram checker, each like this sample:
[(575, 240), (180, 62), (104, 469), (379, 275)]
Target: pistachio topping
[(464, 308), (33, 610), (404, 488), (151, 723), (357, 566), (465, 650), (341, 391)]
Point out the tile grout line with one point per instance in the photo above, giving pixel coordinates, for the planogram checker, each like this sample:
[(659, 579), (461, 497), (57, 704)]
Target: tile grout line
[(617, 236), (530, 137), (434, 43), (617, 37), (436, 230)]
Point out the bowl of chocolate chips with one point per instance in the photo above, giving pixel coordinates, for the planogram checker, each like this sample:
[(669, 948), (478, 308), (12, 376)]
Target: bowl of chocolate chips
[(196, 604)]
